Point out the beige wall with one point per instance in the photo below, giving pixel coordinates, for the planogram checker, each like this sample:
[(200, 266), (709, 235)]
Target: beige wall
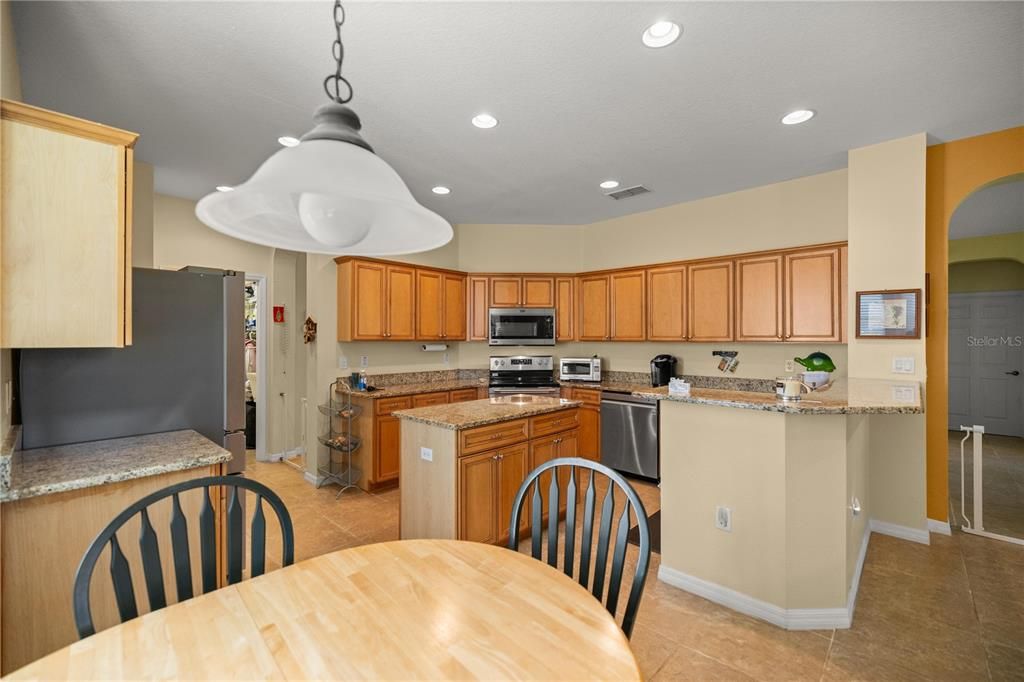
[(886, 235), (521, 248), (783, 477), (809, 210), (142, 215), (10, 88)]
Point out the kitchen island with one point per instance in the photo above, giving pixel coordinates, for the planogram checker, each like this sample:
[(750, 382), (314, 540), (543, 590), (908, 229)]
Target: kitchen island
[(462, 463), (789, 481)]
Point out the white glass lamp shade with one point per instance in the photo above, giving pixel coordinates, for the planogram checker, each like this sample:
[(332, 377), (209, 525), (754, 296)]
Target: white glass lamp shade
[(326, 196)]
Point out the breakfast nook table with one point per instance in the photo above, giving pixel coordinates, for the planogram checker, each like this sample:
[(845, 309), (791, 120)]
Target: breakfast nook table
[(414, 609)]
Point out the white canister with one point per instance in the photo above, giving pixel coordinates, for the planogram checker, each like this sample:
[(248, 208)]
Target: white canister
[(817, 379)]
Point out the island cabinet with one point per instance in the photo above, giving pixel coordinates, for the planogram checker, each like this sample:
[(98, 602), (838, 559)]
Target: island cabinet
[(461, 483), (66, 229), (612, 307)]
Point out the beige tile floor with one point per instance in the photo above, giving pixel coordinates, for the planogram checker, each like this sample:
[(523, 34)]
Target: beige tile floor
[(1002, 478), (950, 611)]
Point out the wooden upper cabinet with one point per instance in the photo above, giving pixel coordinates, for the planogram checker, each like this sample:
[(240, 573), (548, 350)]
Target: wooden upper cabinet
[(506, 292), (362, 292), (844, 291), (400, 311), (478, 304), (710, 301), (759, 296), (565, 308), (454, 307), (628, 305), (66, 229), (813, 295), (666, 303), (538, 292), (593, 315), (429, 304)]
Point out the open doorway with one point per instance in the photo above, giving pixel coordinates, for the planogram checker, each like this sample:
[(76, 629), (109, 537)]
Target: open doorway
[(986, 359), (254, 352)]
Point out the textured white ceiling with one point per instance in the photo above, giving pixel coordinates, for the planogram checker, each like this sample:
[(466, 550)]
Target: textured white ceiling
[(995, 209), (211, 85)]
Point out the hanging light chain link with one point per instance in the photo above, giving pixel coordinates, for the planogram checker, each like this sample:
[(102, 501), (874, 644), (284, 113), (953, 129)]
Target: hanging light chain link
[(336, 84)]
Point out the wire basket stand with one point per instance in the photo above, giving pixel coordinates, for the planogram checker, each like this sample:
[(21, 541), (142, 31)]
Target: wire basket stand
[(339, 440)]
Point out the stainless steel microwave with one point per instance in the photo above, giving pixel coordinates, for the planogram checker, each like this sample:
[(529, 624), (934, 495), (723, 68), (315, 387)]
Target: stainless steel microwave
[(579, 369), (521, 327)]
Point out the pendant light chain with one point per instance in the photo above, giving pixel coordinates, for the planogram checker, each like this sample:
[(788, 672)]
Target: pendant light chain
[(335, 84)]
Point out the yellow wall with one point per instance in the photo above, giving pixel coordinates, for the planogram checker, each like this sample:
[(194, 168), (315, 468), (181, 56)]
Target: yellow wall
[(1010, 245), (886, 251), (991, 275), (955, 170)]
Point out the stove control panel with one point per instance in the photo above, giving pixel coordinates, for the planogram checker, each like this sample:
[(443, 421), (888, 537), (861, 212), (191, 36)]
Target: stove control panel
[(521, 363)]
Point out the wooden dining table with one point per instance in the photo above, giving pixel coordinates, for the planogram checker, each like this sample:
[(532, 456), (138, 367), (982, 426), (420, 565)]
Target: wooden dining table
[(412, 609)]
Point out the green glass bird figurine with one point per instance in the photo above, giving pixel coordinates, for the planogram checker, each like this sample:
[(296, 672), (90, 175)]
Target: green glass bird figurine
[(817, 362)]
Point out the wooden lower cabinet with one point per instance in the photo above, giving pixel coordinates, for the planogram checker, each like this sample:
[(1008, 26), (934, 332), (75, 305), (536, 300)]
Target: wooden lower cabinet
[(590, 421), (44, 539), (428, 399), (461, 395), (388, 441), (488, 483)]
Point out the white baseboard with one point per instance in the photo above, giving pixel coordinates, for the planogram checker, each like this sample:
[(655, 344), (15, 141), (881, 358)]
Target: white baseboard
[(312, 478), (940, 527), (278, 456), (919, 535), (790, 619), (851, 600)]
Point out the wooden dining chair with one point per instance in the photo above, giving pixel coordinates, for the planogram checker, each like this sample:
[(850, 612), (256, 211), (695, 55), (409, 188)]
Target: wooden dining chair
[(149, 548), (572, 482)]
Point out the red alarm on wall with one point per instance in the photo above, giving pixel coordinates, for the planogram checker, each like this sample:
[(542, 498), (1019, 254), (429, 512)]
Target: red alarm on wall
[(279, 314)]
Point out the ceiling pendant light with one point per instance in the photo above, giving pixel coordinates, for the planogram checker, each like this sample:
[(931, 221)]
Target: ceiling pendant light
[(328, 194)]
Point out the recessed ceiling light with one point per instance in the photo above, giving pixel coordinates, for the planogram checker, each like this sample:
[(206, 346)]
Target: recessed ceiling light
[(798, 116), (484, 121), (224, 188), (609, 184), (661, 33), (441, 189), (288, 141)]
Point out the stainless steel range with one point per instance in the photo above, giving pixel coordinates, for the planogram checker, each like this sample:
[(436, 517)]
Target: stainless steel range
[(523, 374)]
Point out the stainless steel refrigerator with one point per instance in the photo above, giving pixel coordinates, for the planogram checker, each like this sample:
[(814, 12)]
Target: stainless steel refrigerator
[(184, 369)]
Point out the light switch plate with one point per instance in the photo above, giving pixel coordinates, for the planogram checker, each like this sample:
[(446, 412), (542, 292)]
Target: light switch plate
[(364, 360), (723, 519), (427, 454), (902, 364), (342, 362)]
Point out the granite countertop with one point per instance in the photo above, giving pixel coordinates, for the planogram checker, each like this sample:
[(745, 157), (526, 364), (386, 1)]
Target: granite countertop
[(844, 396), (44, 471), (413, 389), (608, 385), (11, 442), (459, 416)]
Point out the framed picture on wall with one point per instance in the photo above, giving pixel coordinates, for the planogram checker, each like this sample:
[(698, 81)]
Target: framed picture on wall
[(890, 314)]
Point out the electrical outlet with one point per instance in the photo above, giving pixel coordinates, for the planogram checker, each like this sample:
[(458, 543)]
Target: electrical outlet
[(902, 364), (342, 362), (427, 454), (723, 519), (364, 361), (790, 366), (447, 358)]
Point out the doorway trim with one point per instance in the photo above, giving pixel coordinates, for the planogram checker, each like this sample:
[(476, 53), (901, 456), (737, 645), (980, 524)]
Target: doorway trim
[(954, 170), (262, 353)]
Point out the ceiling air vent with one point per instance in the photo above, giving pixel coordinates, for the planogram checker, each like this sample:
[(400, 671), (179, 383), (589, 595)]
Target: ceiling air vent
[(628, 192)]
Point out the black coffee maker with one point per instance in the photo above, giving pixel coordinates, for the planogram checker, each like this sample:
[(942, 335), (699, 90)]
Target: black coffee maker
[(663, 368)]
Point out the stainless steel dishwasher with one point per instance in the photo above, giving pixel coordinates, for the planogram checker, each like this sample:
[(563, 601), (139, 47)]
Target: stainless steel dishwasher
[(629, 434)]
